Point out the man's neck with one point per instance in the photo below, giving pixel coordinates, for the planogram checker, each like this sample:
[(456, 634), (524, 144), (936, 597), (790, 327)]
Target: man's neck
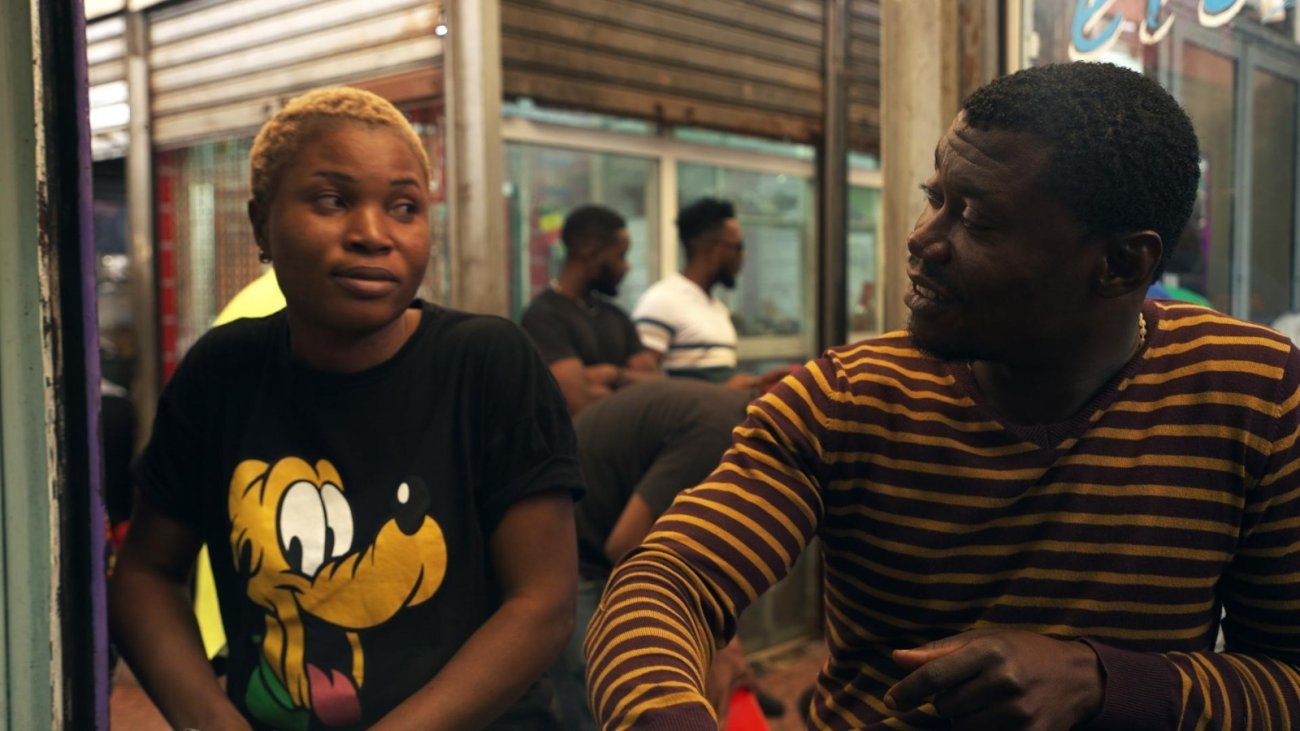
[(572, 285), (703, 278), (1053, 390)]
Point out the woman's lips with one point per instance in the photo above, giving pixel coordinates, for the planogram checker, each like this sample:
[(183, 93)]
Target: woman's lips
[(367, 281)]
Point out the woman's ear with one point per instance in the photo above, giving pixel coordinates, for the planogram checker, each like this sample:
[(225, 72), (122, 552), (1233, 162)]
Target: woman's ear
[(1130, 263), (257, 217)]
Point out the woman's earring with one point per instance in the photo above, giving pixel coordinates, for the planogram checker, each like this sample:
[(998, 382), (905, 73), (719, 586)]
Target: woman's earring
[(263, 256)]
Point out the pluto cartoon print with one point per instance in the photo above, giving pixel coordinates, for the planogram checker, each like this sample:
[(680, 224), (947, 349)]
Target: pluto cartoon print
[(292, 536)]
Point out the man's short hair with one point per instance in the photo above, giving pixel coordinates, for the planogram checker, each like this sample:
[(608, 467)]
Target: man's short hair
[(1124, 154), (702, 217), (590, 226)]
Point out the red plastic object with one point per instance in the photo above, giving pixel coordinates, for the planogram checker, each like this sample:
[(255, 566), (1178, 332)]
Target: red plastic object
[(743, 713)]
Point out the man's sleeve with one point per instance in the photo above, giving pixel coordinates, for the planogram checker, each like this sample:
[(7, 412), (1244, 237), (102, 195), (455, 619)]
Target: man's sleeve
[(653, 322), (529, 437), (672, 602), (548, 333), (1255, 682)]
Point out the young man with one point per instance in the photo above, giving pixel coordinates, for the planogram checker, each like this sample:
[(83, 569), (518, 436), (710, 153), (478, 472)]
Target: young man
[(588, 342), (1034, 504), (688, 330)]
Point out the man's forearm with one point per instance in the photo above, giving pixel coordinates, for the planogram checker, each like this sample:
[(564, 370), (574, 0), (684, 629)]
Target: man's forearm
[(154, 628), (490, 671)]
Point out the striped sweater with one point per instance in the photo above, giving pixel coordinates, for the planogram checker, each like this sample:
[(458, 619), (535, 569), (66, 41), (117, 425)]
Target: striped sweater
[(1173, 496)]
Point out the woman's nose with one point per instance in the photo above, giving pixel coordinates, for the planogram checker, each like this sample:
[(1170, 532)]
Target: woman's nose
[(366, 228)]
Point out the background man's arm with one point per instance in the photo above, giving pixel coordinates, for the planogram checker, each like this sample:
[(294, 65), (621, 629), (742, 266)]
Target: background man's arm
[(640, 367), (632, 527), (583, 385)]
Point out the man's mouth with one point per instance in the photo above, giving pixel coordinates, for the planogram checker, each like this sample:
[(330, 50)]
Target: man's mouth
[(928, 293)]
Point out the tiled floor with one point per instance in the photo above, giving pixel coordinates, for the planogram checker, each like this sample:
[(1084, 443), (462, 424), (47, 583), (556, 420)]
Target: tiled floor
[(785, 675), (129, 709)]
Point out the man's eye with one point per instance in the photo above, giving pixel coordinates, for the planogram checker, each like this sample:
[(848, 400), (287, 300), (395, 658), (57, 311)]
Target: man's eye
[(973, 226), (932, 195)]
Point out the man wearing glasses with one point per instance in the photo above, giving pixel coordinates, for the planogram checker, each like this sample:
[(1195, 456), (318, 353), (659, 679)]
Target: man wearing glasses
[(679, 319)]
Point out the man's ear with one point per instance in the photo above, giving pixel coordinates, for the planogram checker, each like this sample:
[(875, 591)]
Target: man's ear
[(257, 217), (1129, 263)]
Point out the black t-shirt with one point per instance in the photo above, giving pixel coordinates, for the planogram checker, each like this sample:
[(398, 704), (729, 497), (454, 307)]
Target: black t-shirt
[(653, 439), (596, 334), (348, 515)]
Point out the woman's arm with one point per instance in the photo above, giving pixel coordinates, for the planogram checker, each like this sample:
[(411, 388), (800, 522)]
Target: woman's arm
[(535, 555), (154, 626)]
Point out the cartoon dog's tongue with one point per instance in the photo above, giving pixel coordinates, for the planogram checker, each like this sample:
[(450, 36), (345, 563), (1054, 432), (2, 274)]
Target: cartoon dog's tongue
[(333, 697)]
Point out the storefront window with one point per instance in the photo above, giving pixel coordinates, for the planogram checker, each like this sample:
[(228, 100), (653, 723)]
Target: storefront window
[(1208, 83), (206, 251), (545, 183), (1273, 195), (773, 294), (863, 263), (1235, 67)]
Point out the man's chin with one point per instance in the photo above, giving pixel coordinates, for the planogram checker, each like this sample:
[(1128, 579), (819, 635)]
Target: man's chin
[(939, 348)]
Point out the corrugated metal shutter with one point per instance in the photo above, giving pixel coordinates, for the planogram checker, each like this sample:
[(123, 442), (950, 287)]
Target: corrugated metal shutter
[(864, 76), (748, 66), (106, 76), (219, 69)]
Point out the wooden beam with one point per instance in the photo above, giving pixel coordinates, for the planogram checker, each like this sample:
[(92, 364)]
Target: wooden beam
[(919, 97)]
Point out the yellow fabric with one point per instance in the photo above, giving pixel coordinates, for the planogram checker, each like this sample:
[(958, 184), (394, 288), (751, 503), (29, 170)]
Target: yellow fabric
[(260, 297)]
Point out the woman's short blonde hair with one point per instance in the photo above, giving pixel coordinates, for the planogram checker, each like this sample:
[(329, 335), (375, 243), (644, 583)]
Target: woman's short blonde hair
[(283, 135)]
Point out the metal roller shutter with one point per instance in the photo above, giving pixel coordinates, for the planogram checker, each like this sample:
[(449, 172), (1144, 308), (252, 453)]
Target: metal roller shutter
[(219, 69), (747, 66), (106, 77)]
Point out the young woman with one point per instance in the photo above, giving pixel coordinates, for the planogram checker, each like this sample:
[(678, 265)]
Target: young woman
[(385, 486)]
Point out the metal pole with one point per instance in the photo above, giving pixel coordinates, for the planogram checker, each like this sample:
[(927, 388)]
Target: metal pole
[(832, 178), (145, 381)]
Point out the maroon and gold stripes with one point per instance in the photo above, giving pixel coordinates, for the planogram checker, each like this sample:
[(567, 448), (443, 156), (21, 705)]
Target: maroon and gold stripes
[(1174, 495)]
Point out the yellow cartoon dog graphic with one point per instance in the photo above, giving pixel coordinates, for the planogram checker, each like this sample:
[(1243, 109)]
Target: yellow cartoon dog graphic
[(292, 537)]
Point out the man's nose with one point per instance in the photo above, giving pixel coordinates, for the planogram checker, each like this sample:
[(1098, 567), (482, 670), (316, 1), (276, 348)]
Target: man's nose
[(929, 239)]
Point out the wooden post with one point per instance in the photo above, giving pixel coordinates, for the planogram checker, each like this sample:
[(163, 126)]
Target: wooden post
[(919, 96), (475, 172)]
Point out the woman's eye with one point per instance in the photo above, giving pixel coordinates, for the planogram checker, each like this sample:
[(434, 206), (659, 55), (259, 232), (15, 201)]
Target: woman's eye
[(405, 211), (331, 201)]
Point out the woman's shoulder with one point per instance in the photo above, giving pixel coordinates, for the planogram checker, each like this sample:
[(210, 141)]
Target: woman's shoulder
[(237, 343), (487, 335)]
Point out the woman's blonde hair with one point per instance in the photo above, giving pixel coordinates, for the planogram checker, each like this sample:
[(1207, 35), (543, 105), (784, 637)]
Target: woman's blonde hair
[(283, 135)]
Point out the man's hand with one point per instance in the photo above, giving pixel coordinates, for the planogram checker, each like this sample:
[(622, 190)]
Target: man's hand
[(729, 671), (741, 382), (770, 378), (987, 679), (602, 374)]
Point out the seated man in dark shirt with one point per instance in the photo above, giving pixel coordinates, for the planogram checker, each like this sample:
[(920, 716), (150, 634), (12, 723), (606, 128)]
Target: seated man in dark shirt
[(638, 449), (587, 340)]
